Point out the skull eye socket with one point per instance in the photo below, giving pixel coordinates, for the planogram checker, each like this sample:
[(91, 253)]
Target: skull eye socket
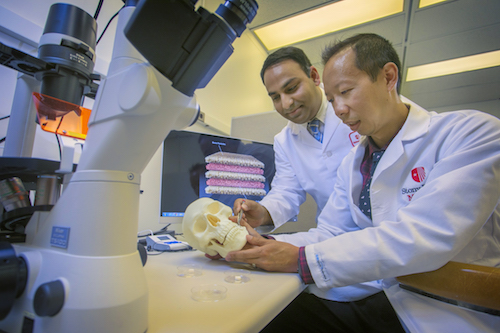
[(199, 226), (213, 208)]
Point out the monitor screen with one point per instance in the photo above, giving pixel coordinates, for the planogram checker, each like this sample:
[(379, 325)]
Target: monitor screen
[(196, 165)]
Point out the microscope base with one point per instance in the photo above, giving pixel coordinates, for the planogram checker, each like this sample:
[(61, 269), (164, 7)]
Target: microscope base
[(102, 294)]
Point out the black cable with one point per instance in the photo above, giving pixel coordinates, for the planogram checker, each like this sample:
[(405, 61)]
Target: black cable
[(59, 145), (98, 10), (4, 138), (57, 137), (162, 231), (152, 252), (107, 25)]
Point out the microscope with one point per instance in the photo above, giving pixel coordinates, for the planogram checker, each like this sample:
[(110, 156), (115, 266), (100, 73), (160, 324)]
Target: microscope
[(78, 268)]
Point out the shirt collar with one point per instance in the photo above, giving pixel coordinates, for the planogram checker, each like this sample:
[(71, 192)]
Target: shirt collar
[(372, 147)]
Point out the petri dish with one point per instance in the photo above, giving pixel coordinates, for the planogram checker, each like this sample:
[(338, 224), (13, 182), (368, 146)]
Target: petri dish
[(237, 276), (188, 271), (208, 293)]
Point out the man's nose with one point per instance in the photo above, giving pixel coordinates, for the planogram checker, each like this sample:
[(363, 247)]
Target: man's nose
[(287, 103), (339, 108)]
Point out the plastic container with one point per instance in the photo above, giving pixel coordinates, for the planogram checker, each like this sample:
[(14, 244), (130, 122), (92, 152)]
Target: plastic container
[(237, 276), (208, 293)]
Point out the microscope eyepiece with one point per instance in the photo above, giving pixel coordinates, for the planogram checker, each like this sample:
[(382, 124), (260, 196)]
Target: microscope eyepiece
[(238, 13), (68, 43), (187, 46)]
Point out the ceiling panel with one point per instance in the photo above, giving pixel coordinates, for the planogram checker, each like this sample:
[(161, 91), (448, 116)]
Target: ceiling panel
[(452, 17), (456, 45), (274, 10), (456, 89)]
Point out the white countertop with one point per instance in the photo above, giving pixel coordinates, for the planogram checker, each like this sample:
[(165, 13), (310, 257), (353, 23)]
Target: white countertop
[(248, 307)]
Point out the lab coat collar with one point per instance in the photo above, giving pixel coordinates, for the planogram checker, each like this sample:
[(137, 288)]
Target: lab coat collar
[(417, 123)]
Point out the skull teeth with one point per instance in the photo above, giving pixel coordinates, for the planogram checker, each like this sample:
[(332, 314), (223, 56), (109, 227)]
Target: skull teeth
[(231, 233), (228, 236)]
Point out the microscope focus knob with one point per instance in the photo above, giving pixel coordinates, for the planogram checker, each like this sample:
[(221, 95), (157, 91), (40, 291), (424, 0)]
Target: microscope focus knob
[(49, 299)]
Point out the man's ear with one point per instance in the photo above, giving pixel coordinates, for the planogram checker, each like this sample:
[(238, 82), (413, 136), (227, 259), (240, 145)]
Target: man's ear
[(391, 75), (315, 75)]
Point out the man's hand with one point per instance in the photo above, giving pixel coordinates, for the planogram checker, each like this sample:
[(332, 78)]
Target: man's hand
[(267, 254), (243, 223), (256, 214)]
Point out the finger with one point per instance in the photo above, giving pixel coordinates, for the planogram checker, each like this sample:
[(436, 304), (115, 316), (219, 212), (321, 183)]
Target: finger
[(237, 205), (250, 230), (244, 206), (216, 257), (247, 256), (256, 240)]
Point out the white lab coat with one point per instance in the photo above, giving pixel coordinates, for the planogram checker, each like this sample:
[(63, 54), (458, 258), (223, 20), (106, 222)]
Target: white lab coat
[(304, 165), (434, 198)]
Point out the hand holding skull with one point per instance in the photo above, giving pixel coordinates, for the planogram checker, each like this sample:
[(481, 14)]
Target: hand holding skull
[(270, 255)]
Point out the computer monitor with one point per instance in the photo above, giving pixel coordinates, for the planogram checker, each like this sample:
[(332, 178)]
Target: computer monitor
[(196, 165)]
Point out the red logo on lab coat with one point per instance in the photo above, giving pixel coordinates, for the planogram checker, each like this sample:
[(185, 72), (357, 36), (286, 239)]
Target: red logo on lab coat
[(354, 137), (418, 174)]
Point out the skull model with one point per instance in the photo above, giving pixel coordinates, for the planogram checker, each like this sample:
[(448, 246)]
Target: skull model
[(206, 227)]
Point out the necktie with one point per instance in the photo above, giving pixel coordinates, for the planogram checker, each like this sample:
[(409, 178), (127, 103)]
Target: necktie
[(364, 197), (315, 127)]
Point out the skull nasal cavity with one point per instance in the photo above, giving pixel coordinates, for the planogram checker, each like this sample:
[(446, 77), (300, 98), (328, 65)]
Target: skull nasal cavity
[(213, 220)]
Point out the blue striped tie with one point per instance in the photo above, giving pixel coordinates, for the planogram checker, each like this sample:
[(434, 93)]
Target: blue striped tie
[(315, 127)]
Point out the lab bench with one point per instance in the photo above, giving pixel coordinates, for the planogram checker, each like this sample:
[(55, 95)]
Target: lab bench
[(246, 306)]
